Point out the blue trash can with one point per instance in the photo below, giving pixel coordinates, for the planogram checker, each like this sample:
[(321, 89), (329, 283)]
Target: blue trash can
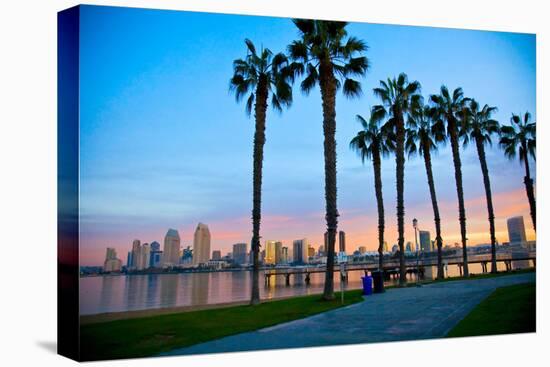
[(367, 285)]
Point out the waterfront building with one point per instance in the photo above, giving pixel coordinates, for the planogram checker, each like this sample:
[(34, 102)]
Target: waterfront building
[(155, 256), (516, 231), (145, 257), (171, 251), (187, 256), (111, 263), (425, 241), (216, 255), (270, 257), (310, 251), (129, 260), (273, 252), (321, 251), (201, 245), (155, 246), (284, 256), (239, 253), (299, 251), (342, 241), (136, 254)]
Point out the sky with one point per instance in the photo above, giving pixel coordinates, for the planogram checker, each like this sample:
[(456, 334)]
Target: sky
[(163, 143)]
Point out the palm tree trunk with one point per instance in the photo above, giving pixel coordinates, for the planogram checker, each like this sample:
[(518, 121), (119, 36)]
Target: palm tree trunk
[(259, 141), (435, 206), (400, 178), (489, 197), (328, 95), (459, 190), (528, 181), (380, 204)]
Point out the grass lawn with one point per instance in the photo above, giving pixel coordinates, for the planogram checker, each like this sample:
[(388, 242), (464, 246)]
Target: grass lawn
[(141, 337), (507, 310)]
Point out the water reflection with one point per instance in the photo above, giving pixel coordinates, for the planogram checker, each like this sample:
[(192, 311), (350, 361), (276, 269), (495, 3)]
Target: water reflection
[(135, 292)]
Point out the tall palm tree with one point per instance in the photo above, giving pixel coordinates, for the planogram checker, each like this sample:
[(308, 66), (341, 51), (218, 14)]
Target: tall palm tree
[(424, 134), (398, 96), (478, 126), (448, 108), (520, 138), (374, 142), (328, 57), (259, 76)]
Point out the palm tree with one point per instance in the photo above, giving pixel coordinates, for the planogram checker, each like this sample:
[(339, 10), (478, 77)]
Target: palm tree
[(328, 57), (424, 133), (259, 76), (372, 143), (398, 96), (520, 138), (448, 108), (478, 126)]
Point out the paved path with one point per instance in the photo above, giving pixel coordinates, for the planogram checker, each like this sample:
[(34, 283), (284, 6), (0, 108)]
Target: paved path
[(411, 313)]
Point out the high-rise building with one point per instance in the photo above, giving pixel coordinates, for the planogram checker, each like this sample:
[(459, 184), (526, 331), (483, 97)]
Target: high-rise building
[(321, 251), (299, 251), (112, 263), (342, 241), (408, 246), (136, 255), (310, 251), (145, 256), (284, 258), (155, 257), (216, 255), (239, 253), (201, 245), (385, 246), (516, 231), (362, 249), (273, 252), (270, 252), (129, 260), (155, 246), (187, 256), (425, 241), (171, 251)]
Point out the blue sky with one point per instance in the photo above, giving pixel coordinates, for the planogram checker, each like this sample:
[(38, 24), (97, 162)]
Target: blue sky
[(163, 143)]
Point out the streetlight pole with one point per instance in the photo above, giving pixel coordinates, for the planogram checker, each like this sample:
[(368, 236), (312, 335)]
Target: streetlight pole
[(415, 225)]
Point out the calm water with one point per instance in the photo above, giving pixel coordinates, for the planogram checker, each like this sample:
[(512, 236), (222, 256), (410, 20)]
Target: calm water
[(138, 292)]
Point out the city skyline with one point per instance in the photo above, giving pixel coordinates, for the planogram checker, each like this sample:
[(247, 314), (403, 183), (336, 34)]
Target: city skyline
[(144, 167)]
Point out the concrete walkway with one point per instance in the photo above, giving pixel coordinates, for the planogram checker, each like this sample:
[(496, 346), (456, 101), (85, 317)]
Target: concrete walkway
[(411, 313)]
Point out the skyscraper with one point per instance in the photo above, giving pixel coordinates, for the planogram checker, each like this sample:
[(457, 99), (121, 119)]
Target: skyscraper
[(201, 244), (112, 263), (273, 252), (239, 253), (216, 255), (136, 254), (516, 231), (284, 255), (299, 251), (155, 258), (425, 241), (270, 257), (342, 241), (145, 256), (171, 252)]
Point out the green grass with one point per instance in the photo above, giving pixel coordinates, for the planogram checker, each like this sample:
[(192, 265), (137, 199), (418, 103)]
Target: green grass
[(507, 310), (141, 337), (485, 276)]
